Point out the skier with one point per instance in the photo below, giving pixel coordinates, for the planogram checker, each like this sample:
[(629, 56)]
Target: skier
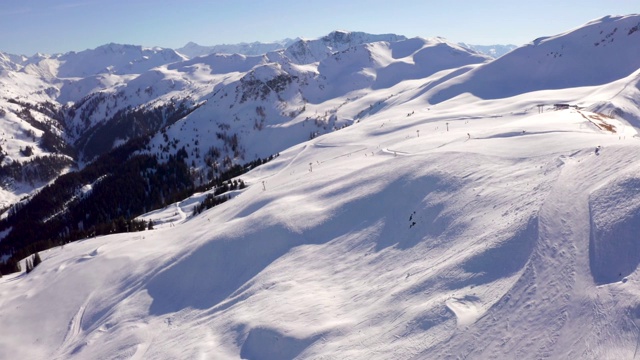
[(598, 150)]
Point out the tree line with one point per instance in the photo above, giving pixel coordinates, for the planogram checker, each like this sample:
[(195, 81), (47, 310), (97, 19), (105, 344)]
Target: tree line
[(123, 186)]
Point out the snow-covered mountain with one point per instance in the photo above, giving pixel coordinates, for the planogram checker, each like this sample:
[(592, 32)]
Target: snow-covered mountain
[(107, 59), (602, 51), (495, 51), (466, 208), (290, 103), (300, 51), (101, 98), (214, 112), (306, 51), (192, 49), (118, 91), (11, 62)]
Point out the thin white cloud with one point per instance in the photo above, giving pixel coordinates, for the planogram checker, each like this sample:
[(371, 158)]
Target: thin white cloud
[(19, 11), (74, 5)]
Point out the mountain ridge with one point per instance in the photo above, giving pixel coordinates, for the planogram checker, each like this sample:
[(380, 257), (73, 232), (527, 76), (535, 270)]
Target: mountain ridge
[(113, 99)]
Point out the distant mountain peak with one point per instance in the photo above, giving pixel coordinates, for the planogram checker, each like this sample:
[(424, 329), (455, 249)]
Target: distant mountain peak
[(306, 51), (192, 49), (336, 40), (495, 51)]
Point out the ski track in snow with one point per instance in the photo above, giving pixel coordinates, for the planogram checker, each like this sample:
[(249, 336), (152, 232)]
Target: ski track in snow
[(74, 331), (181, 213)]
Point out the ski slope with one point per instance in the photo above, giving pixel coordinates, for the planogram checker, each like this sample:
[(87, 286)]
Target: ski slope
[(496, 238)]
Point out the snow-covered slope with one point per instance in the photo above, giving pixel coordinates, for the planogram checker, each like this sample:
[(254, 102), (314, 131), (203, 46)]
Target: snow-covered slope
[(387, 64), (479, 228), (602, 51), (625, 101), (29, 129)]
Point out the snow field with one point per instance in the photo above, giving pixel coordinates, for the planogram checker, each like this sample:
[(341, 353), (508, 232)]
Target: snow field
[(389, 247)]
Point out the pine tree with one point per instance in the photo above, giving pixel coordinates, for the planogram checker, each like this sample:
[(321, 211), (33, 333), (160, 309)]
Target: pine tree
[(36, 259), (29, 265)]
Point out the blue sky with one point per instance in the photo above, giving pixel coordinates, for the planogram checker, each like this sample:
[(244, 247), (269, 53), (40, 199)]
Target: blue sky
[(51, 26)]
